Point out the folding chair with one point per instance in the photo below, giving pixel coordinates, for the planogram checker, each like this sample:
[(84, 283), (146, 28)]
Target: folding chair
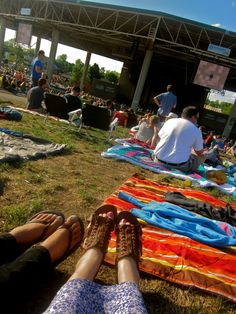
[(113, 125), (96, 117), (75, 118), (56, 106)]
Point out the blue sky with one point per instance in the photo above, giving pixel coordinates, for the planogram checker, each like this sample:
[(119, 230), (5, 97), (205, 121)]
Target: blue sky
[(212, 12)]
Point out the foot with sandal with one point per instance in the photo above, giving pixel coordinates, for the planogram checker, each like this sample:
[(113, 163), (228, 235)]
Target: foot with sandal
[(81, 294), (30, 252)]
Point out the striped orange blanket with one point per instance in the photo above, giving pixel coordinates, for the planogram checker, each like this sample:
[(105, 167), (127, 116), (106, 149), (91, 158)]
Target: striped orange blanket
[(174, 257)]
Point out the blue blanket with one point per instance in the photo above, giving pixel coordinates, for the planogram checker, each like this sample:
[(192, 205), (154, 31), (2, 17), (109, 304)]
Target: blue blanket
[(174, 218)]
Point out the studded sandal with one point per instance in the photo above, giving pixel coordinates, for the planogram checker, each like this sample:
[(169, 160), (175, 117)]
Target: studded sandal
[(129, 241)]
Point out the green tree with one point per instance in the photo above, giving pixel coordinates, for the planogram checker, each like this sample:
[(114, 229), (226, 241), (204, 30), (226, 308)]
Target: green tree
[(19, 54), (77, 71), (112, 76), (94, 72), (215, 104), (226, 107), (63, 64)]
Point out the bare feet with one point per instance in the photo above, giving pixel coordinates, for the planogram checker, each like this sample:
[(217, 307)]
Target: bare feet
[(65, 239), (31, 232)]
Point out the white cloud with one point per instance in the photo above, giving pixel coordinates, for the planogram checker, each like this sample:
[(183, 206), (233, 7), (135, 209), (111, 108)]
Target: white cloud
[(227, 97), (216, 25)]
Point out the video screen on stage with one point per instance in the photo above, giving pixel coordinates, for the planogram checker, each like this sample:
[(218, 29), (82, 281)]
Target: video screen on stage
[(211, 75), (24, 33)]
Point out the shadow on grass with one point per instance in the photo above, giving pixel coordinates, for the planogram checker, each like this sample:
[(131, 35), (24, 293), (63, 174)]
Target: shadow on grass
[(157, 303), (3, 182), (40, 299)]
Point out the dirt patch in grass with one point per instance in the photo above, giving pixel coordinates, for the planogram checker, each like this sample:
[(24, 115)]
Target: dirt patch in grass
[(78, 182)]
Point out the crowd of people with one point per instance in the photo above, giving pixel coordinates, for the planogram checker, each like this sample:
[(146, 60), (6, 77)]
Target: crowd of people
[(31, 251), (147, 125)]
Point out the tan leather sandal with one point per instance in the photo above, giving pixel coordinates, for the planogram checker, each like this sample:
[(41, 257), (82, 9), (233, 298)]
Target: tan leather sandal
[(98, 232), (129, 237)]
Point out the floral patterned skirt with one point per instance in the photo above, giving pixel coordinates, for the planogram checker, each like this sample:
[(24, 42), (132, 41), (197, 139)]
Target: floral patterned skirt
[(83, 296)]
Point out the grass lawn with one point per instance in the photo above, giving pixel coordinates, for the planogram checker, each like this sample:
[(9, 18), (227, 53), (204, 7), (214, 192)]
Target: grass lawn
[(77, 182)]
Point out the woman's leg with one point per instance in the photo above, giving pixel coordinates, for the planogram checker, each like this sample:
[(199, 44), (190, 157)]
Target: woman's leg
[(128, 270), (15, 242), (90, 262), (129, 247), (24, 274)]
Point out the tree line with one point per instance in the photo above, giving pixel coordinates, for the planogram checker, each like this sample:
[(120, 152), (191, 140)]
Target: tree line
[(21, 57)]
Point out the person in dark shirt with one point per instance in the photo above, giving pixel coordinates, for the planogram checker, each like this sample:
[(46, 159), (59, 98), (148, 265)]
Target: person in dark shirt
[(35, 96), (73, 99)]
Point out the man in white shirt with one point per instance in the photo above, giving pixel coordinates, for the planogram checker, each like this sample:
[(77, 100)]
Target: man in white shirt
[(181, 144)]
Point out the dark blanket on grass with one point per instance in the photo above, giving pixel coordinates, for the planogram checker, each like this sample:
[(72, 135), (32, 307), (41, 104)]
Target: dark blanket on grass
[(16, 146)]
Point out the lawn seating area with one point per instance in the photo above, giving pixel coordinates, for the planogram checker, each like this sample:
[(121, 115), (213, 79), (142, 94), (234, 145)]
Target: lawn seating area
[(78, 181)]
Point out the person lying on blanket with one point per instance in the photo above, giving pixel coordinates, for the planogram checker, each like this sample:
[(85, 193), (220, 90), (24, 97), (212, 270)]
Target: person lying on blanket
[(148, 131), (180, 143)]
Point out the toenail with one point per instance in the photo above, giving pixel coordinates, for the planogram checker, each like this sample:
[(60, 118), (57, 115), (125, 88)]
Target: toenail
[(73, 218), (122, 222), (110, 215)]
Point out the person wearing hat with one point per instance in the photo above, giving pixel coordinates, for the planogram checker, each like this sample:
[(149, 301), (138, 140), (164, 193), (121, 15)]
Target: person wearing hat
[(37, 67), (166, 102)]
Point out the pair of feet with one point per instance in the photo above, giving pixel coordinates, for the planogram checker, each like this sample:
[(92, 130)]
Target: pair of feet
[(58, 236), (61, 237), (128, 232)]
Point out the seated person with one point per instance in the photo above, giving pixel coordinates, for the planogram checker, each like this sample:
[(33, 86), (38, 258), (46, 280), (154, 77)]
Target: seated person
[(177, 139), (35, 96), (72, 99), (148, 131), (213, 157), (220, 141), (209, 139), (24, 265), (231, 150), (132, 118), (122, 117), (80, 294), (140, 119), (202, 128)]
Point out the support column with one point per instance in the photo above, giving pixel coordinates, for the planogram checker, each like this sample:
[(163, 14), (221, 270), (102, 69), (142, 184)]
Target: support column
[(2, 36), (53, 51), (85, 71), (231, 120), (141, 80), (37, 47)]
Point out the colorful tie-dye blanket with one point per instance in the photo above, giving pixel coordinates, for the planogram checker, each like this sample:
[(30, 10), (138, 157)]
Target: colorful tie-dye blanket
[(141, 156), (173, 257)]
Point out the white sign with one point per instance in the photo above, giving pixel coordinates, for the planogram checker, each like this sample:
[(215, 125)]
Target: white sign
[(25, 11), (219, 50)]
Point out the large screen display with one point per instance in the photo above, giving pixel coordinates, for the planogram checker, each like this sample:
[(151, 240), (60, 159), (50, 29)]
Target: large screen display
[(211, 75), (24, 33)]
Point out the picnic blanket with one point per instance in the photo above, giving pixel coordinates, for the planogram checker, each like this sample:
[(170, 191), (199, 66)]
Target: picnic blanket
[(174, 257), (16, 146), (141, 156)]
